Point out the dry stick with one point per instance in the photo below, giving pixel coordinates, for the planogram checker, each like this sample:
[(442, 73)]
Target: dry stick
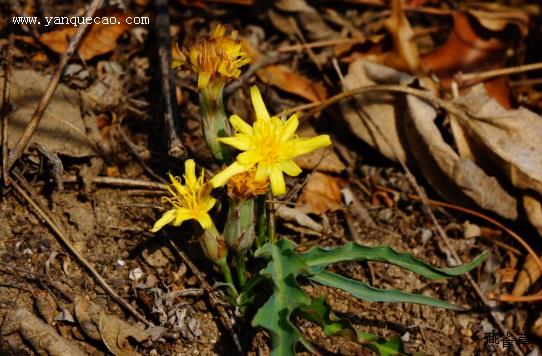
[(499, 72), (120, 182), (317, 44), (43, 212), (213, 299), (412, 179), (6, 105), (51, 87), (171, 112)]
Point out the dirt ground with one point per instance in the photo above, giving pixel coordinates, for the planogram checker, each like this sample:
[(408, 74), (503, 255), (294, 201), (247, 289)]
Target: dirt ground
[(109, 222)]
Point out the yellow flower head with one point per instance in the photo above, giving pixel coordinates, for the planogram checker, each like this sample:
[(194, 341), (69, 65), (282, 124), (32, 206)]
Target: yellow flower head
[(189, 201), (216, 57), (269, 144)]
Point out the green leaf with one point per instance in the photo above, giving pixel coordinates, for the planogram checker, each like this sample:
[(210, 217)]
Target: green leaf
[(363, 291), (321, 314), (318, 258), (283, 268)]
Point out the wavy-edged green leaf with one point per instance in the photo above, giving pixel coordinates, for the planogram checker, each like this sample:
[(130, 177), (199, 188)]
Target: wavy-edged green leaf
[(321, 314), (318, 258), (283, 268), (363, 291)]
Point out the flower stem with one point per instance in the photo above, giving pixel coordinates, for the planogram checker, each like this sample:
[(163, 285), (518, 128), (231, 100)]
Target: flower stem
[(215, 122), (271, 223), (260, 221), (241, 268), (226, 272)]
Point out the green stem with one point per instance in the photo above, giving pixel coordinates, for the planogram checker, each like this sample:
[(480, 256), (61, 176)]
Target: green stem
[(271, 222), (260, 221), (215, 122), (241, 268), (226, 272)]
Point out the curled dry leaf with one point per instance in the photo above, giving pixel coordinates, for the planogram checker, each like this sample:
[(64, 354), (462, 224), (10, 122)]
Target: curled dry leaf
[(321, 194), (41, 336), (528, 275), (470, 48), (112, 331), (509, 138), (101, 38), (285, 79), (372, 116), (456, 178)]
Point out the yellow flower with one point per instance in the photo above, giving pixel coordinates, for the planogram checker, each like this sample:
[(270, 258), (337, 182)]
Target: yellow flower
[(215, 58), (189, 201), (269, 144)]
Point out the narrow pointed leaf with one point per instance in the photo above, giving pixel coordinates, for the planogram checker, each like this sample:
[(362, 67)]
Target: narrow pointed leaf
[(363, 291), (318, 258)]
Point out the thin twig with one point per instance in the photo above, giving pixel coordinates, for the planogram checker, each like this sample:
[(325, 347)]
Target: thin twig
[(317, 44), (43, 212), (6, 104), (213, 299), (121, 182), (51, 87), (499, 72), (171, 112)]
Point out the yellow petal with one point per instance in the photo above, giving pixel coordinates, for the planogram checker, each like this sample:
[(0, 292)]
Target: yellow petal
[(207, 203), (290, 168), (221, 178), (249, 158), (240, 125), (257, 102), (181, 215), (289, 127), (166, 218), (176, 182), (242, 142), (306, 145), (278, 187), (190, 173), (204, 220)]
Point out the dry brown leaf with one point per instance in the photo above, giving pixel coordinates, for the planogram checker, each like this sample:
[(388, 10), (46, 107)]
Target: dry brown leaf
[(100, 39), (99, 325), (310, 19), (286, 213), (456, 178), (496, 17), (41, 336), (325, 160), (372, 117), (511, 139), (321, 194), (61, 128), (404, 55), (284, 78), (470, 48)]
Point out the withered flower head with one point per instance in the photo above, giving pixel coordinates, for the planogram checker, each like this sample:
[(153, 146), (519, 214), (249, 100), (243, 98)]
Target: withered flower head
[(215, 59), (244, 186)]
